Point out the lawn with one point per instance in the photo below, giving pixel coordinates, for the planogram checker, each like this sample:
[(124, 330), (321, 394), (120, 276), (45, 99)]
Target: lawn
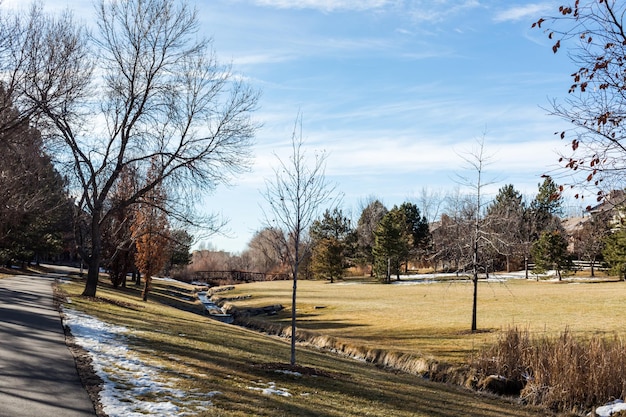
[(203, 355), (433, 320)]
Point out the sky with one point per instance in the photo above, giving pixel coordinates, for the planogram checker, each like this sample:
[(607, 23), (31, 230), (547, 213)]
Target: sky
[(396, 92)]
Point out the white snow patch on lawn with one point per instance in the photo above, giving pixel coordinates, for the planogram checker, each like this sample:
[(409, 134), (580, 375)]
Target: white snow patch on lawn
[(126, 376), (611, 408), (271, 389), (287, 372)]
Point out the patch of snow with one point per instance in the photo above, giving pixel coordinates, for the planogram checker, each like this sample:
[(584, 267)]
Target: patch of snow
[(271, 389), (166, 279), (611, 408), (287, 372), (126, 376)]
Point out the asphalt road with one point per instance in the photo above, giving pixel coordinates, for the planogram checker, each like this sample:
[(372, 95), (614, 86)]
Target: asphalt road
[(38, 376)]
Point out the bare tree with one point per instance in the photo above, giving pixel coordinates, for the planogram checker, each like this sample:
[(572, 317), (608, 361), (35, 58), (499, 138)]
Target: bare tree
[(594, 33), (145, 87), (295, 195), (267, 255), (476, 161)]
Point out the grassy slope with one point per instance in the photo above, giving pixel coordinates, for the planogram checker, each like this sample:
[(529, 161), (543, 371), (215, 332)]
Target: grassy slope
[(433, 320), (204, 355)]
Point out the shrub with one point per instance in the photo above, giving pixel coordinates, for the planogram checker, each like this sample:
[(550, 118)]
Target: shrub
[(562, 374)]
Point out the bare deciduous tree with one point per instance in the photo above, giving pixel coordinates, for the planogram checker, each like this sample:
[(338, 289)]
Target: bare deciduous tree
[(593, 31), (295, 195), (476, 161), (145, 87)]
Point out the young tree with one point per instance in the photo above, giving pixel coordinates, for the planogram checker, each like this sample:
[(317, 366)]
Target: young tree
[(150, 230), (593, 31), (144, 86), (295, 196), (476, 161), (550, 252), (330, 237)]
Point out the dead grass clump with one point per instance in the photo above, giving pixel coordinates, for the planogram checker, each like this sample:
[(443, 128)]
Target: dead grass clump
[(397, 361), (564, 373)]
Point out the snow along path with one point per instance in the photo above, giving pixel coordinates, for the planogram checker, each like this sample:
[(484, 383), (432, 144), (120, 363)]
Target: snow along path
[(126, 376)]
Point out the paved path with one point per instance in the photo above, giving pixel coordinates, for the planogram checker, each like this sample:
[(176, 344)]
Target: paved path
[(38, 376)]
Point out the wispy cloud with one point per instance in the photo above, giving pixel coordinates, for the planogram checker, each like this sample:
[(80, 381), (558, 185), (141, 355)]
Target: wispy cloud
[(326, 5), (528, 11), (437, 11)]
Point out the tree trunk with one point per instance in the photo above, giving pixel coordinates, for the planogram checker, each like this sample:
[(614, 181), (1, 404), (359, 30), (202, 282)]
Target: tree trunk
[(93, 271), (526, 265), (146, 287), (293, 313)]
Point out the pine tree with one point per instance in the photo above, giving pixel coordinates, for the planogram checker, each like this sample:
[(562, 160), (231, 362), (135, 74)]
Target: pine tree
[(391, 244), (330, 237), (550, 252), (615, 252)]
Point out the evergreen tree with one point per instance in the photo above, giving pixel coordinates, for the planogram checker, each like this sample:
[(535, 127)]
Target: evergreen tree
[(35, 210), (504, 222), (416, 230), (391, 244), (330, 237), (615, 252), (368, 222), (550, 252), (546, 208)]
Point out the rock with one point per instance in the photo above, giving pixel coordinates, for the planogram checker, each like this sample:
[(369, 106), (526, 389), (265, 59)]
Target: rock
[(501, 385)]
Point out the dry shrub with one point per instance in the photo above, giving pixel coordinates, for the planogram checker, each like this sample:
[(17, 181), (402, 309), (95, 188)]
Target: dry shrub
[(562, 374)]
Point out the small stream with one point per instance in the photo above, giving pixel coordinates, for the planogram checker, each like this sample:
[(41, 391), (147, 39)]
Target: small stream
[(213, 309)]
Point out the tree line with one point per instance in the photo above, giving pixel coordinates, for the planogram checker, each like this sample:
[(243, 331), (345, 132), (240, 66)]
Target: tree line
[(515, 231)]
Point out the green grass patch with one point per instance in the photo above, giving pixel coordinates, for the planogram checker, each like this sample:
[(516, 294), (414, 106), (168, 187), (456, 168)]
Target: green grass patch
[(201, 355)]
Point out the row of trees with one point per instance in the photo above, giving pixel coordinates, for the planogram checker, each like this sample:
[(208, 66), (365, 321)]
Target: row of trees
[(142, 93), (386, 242), (38, 217)]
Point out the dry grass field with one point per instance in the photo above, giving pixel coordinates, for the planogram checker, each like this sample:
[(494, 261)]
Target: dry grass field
[(200, 355), (433, 320)]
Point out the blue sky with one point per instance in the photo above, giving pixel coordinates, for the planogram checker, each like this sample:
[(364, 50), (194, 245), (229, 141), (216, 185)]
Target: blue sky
[(393, 90)]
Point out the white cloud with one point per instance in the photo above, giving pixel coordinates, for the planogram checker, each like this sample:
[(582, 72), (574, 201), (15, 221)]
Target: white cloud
[(517, 13), (326, 5)]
